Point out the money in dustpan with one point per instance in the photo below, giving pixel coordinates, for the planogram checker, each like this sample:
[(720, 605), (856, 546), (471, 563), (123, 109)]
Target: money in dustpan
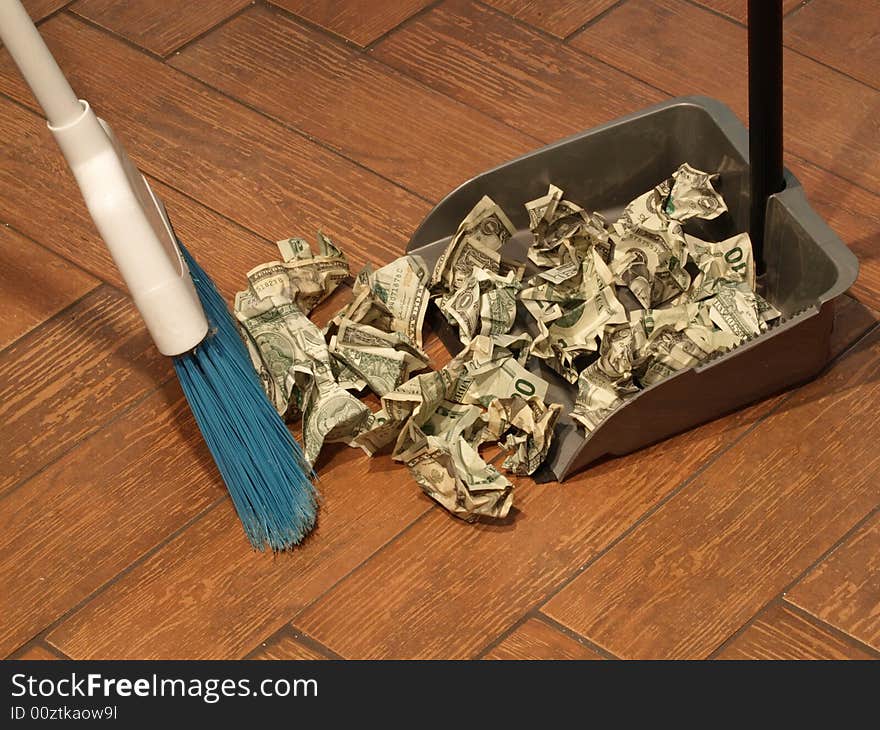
[(804, 265)]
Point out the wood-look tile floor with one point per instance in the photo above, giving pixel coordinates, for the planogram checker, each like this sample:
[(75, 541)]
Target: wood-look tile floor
[(754, 536)]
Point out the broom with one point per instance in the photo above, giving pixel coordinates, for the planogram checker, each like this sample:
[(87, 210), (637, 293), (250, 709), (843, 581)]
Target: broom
[(261, 463)]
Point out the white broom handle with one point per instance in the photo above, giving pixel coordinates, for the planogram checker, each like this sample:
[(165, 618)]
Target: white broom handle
[(35, 61)]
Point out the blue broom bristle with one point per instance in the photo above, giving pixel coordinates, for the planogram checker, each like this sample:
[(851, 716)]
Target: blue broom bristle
[(261, 463)]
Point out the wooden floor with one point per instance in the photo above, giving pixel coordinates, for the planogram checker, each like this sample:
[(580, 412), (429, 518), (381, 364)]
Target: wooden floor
[(755, 536)]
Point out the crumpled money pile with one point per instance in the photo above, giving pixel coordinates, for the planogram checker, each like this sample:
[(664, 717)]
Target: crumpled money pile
[(616, 308), (623, 306), (435, 422)]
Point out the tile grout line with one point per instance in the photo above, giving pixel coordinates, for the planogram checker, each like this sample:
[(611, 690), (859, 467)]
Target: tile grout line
[(653, 509), (299, 636), (408, 76), (535, 613), (802, 159), (372, 172), (499, 638), (553, 592), (583, 640), (122, 291), (289, 623), (199, 36), (791, 584), (592, 21), (830, 628), (101, 282), (245, 105), (797, 8), (146, 555), (207, 207), (548, 596), (384, 546), (270, 6), (403, 23), (555, 39), (303, 638), (831, 68), (113, 419), (59, 313), (75, 16), (55, 12), (284, 630), (335, 37), (33, 643), (113, 580), (787, 152), (697, 4)]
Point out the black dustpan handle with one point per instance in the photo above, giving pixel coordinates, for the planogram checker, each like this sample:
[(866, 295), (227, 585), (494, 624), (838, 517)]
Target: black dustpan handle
[(765, 114)]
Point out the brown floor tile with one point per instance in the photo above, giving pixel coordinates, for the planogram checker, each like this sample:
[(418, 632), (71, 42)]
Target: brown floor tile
[(738, 9), (34, 285), (483, 58), (158, 25), (780, 633), (360, 21), (286, 648), (451, 89), (39, 9), (37, 652), (429, 595), (851, 320), (844, 34), (844, 589), (852, 213), (559, 17), (204, 595), (440, 49), (63, 381), (446, 588), (40, 198), (829, 118), (536, 639)]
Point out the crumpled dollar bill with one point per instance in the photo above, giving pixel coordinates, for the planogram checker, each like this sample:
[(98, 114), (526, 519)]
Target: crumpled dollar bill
[(485, 304), (301, 276), (393, 298), (437, 423), (380, 360), (477, 243), (291, 356), (563, 230), (524, 426)]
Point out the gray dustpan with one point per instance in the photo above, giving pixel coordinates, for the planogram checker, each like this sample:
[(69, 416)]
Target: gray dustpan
[(805, 265)]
